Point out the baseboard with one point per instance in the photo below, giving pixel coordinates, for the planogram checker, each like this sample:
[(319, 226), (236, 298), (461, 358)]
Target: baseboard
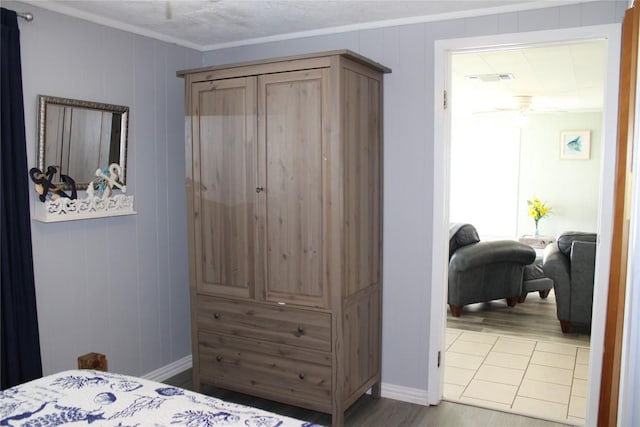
[(388, 391), (170, 370), (404, 394)]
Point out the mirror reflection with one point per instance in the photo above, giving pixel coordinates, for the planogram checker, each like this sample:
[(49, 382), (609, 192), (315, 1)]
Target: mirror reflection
[(79, 137)]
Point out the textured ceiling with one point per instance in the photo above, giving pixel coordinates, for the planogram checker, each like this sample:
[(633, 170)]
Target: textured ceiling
[(567, 78), (208, 24)]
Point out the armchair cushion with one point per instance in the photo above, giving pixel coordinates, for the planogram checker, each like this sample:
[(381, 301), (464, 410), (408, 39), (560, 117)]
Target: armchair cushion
[(460, 235), (566, 239)]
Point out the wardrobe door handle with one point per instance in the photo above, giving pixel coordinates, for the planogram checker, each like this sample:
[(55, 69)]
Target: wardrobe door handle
[(299, 332), (259, 189), (301, 375), (216, 316), (218, 358)]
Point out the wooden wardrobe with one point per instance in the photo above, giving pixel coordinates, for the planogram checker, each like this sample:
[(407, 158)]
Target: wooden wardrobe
[(284, 199)]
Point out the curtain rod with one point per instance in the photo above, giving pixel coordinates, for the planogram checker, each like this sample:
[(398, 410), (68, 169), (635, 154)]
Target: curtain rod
[(27, 16)]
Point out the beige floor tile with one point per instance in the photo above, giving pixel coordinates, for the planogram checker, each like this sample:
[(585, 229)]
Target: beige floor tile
[(485, 403), (545, 391), (459, 360), (498, 374), (549, 374), (556, 360), (470, 347), (575, 421), (485, 390), (536, 408), (458, 376), (506, 360), (577, 407), (581, 372), (579, 388), (583, 356), (452, 391), (480, 338), (513, 346), (450, 339), (552, 347)]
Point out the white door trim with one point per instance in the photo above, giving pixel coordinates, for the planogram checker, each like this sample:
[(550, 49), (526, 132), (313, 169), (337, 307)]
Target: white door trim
[(443, 50)]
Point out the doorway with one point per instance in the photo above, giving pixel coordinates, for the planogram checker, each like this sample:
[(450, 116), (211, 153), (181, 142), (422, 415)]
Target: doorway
[(610, 34), (507, 118)]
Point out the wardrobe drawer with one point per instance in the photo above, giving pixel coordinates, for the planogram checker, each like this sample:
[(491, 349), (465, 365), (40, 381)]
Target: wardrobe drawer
[(278, 324), (279, 372)]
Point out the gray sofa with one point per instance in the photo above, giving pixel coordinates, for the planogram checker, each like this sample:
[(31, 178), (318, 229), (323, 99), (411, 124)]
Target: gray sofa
[(484, 271), (570, 262)]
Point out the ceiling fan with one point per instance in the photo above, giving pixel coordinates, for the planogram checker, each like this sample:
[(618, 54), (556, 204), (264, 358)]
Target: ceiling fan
[(521, 104)]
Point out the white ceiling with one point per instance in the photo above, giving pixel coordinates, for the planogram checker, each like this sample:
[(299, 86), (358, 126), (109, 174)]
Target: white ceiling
[(561, 77), (558, 78), (210, 24)]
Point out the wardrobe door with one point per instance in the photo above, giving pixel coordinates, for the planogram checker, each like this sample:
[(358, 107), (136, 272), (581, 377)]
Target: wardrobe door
[(224, 171), (292, 107)]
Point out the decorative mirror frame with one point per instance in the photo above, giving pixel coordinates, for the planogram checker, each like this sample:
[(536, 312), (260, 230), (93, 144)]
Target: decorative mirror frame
[(45, 100)]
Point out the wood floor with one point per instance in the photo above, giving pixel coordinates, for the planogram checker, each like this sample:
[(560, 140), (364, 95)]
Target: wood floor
[(535, 318), (379, 412)]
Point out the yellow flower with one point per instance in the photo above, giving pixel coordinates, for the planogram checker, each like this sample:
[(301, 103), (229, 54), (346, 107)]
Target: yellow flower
[(537, 209)]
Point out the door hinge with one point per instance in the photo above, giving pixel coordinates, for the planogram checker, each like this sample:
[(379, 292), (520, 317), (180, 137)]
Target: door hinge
[(444, 101), (439, 356)]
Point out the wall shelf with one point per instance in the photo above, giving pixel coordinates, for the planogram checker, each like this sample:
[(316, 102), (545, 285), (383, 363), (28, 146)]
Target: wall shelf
[(65, 209)]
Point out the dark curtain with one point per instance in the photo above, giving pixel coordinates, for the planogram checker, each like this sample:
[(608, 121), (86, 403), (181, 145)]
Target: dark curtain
[(20, 348)]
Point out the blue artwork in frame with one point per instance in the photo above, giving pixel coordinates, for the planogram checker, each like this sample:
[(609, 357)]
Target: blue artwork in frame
[(575, 144)]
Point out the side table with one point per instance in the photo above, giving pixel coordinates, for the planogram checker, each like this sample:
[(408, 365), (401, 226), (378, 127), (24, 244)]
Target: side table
[(537, 242)]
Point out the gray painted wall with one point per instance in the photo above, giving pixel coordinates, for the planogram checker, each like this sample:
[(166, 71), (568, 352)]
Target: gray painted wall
[(119, 285), (408, 153)]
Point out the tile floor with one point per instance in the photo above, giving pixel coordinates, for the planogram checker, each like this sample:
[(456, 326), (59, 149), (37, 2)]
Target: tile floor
[(542, 379)]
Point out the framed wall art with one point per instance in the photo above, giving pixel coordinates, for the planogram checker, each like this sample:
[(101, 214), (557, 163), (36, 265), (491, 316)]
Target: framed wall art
[(575, 144)]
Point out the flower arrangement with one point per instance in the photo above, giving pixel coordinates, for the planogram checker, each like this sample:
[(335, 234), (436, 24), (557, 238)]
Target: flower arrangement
[(537, 211)]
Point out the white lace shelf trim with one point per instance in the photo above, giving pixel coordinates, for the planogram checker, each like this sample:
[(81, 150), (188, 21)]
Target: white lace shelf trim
[(65, 209)]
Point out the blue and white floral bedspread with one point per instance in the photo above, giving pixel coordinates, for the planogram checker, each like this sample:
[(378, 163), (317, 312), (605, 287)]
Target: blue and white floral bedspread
[(82, 397)]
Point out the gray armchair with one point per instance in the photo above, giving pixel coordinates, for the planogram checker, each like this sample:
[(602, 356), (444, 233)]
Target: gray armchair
[(571, 262), (484, 271)]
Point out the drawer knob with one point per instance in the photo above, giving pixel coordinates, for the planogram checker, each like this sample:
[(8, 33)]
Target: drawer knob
[(218, 358), (299, 332), (301, 375), (216, 316)]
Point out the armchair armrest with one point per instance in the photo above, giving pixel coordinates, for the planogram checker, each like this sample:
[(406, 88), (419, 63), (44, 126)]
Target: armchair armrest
[(583, 261), (555, 265), (489, 252)]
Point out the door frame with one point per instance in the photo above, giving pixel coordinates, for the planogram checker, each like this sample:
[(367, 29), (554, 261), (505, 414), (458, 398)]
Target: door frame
[(610, 33)]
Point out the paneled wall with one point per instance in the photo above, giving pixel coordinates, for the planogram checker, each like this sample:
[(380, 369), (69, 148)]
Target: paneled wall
[(119, 285), (408, 153)]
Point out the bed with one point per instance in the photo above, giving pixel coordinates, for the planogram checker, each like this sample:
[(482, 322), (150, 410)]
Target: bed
[(83, 397)]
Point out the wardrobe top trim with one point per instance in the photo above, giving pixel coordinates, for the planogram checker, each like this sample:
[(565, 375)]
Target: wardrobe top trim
[(345, 53)]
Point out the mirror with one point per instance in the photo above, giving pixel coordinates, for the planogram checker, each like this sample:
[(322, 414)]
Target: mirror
[(79, 137)]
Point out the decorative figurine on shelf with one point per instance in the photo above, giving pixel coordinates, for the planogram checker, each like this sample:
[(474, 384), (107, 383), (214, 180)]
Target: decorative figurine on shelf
[(61, 207), (44, 185), (107, 179)]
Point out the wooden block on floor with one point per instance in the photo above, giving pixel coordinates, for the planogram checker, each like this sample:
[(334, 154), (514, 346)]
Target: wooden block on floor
[(97, 361)]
